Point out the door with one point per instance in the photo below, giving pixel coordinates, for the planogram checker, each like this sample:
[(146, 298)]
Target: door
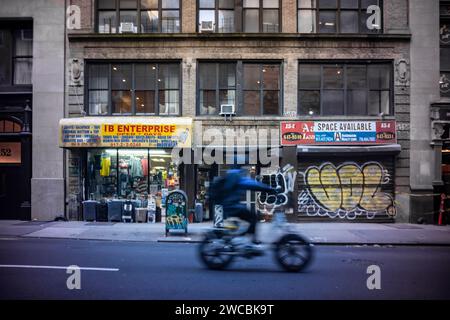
[(10, 192)]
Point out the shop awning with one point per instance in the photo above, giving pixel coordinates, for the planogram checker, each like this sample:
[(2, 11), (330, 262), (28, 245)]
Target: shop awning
[(125, 132), (310, 150)]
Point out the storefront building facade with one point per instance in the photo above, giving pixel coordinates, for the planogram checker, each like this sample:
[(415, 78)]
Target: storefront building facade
[(236, 67), (31, 104)]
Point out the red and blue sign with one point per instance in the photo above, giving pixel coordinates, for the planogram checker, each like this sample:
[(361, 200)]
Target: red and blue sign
[(338, 133)]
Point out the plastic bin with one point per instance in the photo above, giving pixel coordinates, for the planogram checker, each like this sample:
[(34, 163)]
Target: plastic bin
[(198, 212), (90, 210)]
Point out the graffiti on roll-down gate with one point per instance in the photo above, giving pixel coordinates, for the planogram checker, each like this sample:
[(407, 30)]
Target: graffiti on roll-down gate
[(283, 179), (347, 191)]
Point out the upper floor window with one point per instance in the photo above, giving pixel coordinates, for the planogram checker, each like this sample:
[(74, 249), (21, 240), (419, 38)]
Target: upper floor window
[(338, 16), (16, 50), (132, 16), (259, 86), (345, 89), (227, 16), (140, 88), (444, 81), (261, 16), (216, 16)]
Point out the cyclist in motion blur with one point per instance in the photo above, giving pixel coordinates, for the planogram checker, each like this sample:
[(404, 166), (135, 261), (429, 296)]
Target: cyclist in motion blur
[(228, 191)]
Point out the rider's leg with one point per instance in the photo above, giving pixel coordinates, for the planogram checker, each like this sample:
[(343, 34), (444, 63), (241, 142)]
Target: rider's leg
[(250, 217)]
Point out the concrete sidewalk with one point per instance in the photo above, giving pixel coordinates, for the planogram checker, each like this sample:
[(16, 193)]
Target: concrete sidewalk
[(318, 233)]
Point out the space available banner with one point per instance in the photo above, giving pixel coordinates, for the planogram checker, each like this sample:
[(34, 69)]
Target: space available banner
[(338, 133)]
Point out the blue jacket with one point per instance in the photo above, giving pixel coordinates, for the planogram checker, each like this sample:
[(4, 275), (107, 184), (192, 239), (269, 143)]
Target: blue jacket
[(234, 188)]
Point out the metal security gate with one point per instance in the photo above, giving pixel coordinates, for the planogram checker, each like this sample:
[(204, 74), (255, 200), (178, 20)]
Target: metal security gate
[(346, 188)]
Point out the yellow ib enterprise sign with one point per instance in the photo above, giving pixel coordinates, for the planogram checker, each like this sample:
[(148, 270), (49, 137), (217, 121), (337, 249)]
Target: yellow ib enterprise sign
[(132, 132)]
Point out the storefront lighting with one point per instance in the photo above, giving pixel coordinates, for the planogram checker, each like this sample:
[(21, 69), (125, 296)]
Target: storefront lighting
[(158, 152), (115, 68)]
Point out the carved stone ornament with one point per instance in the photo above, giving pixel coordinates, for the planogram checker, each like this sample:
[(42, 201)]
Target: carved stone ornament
[(402, 72), (75, 71), (438, 131)]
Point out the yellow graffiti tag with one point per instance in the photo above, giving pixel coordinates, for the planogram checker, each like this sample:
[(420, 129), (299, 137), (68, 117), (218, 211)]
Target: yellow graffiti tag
[(349, 187)]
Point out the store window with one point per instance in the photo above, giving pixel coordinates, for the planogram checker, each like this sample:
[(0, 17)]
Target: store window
[(16, 50), (130, 173), (336, 16), (259, 85), (144, 16), (129, 89), (444, 82), (345, 89)]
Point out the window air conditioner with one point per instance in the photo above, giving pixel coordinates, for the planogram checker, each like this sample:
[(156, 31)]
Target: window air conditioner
[(206, 26), (227, 110), (127, 27)]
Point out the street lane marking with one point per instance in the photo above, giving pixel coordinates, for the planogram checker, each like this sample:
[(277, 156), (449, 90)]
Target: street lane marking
[(56, 267)]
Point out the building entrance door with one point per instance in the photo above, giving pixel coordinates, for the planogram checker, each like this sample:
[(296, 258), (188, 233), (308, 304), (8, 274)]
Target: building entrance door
[(10, 193)]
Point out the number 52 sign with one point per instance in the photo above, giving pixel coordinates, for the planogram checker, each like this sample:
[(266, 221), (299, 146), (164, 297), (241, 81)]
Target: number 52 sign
[(10, 152)]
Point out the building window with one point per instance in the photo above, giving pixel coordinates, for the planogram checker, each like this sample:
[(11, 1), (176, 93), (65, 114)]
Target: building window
[(125, 173), (259, 83), (345, 89), (8, 126), (216, 16), (261, 16), (128, 89), (444, 81), (145, 16), (336, 16), (16, 50), (217, 83)]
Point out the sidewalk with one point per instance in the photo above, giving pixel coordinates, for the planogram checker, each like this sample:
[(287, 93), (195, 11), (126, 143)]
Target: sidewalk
[(318, 233)]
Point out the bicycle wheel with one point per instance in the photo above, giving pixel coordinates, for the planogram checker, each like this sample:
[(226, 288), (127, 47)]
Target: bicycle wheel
[(293, 253), (215, 252)]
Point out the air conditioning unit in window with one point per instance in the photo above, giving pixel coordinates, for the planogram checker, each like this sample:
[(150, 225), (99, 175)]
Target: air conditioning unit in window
[(227, 110), (127, 27), (206, 26)]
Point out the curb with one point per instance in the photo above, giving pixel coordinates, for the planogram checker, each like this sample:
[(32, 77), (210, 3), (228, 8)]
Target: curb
[(196, 241)]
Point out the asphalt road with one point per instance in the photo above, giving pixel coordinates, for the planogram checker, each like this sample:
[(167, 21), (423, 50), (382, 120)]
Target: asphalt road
[(36, 269)]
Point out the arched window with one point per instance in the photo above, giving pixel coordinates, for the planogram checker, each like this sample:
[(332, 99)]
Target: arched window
[(9, 126)]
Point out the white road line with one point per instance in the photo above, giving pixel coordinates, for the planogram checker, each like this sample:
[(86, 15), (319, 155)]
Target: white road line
[(56, 267)]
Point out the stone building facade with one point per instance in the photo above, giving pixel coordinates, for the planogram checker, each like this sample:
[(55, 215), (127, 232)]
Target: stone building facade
[(390, 194), (32, 84)]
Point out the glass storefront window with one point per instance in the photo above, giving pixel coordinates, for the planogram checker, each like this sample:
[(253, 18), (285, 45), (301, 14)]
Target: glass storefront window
[(163, 173), (101, 174), (130, 173), (133, 173)]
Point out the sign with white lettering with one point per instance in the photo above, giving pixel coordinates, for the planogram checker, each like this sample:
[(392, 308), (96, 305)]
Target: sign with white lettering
[(10, 152), (132, 132), (338, 132)]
